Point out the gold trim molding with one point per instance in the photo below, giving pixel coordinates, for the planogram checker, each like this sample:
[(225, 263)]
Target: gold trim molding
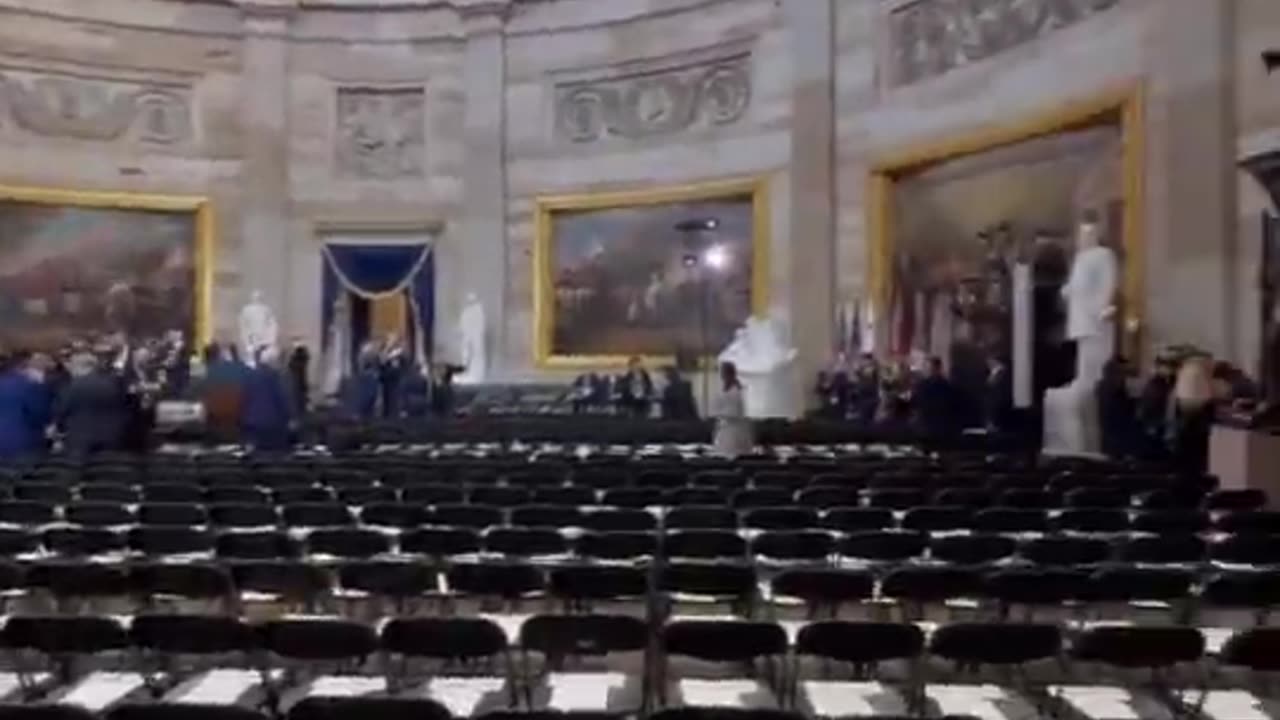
[(1125, 107), (199, 206), (543, 254)]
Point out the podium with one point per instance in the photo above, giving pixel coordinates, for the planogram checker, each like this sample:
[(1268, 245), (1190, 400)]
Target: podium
[(1243, 459)]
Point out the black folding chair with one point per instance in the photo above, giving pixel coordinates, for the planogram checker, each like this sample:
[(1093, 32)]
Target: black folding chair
[(562, 641), (365, 708), (740, 643), (399, 582), (420, 648), (165, 582), (619, 520), (61, 643), (440, 542), (856, 519), (859, 649), (306, 648), (616, 545), (700, 518), (175, 648), (578, 586), (705, 544), (976, 549), (783, 518), (882, 547), (347, 543), (824, 591), (177, 514), (802, 546), (525, 542), (294, 583), (970, 647)]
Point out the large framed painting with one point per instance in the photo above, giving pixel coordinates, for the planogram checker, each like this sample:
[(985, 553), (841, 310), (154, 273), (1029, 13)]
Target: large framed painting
[(78, 266), (949, 221), (615, 278)]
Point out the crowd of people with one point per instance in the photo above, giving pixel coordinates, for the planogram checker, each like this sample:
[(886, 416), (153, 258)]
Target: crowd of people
[(634, 393)]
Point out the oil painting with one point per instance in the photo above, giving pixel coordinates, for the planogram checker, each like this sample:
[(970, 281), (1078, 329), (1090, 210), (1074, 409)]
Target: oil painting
[(73, 273), (618, 277)]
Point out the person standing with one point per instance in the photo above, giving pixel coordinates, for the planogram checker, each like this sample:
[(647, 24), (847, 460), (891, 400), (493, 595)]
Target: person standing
[(299, 367), (635, 390), (93, 411), (1193, 412), (24, 410), (998, 396), (734, 434), (934, 398), (1117, 411), (394, 364), (677, 397), (266, 414)]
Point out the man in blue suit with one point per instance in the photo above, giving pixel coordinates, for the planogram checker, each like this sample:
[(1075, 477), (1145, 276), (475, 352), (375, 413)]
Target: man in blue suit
[(266, 412), (93, 410), (24, 410)]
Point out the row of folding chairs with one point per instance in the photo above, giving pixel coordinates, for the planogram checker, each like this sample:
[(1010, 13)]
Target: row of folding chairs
[(530, 656)]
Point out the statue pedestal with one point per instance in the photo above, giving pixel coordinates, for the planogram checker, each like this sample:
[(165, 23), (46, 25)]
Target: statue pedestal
[(1071, 421), (769, 394)]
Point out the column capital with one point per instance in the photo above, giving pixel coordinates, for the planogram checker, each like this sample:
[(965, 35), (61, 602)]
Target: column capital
[(481, 17)]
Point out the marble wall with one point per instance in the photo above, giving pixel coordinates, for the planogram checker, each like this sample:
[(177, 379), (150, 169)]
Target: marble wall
[(449, 118)]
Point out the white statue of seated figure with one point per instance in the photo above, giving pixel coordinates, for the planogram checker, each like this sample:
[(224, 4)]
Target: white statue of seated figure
[(1071, 423), (765, 366), (259, 331)]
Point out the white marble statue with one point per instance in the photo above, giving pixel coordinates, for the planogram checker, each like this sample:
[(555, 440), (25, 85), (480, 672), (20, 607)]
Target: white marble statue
[(1071, 425), (258, 328), (337, 350), (472, 351), (765, 366)]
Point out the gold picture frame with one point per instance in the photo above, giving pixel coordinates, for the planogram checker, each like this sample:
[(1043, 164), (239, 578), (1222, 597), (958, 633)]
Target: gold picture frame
[(198, 206), (1125, 107), (547, 207)]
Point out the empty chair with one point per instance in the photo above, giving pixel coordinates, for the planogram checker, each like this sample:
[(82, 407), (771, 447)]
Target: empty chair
[(632, 497), (1065, 551), (601, 478), (52, 493), (793, 546), (317, 514), (256, 545), (829, 497), (616, 545), (1162, 550), (290, 582), (824, 589), (108, 492), (308, 493), (237, 494), (1029, 499), (720, 582), (693, 496), (367, 495), (896, 498), (1242, 499), (1011, 520), (432, 494), (525, 542), (1247, 549), (27, 512), (915, 586), (61, 640), (1265, 522), (461, 642), (575, 496), (615, 520), (1129, 584), (174, 634), (469, 516), (395, 515), (860, 645), (168, 492), (50, 712), (1096, 498), (855, 519), (365, 708), (193, 581), (1132, 647), (68, 581), (937, 519), (1092, 520), (976, 644), (721, 480), (971, 549), (884, 546), (500, 496), (440, 542), (666, 479), (972, 498), (704, 544), (241, 515), (394, 580), (578, 585), (700, 518), (329, 643), (1171, 521), (784, 518), (173, 514), (762, 498), (162, 540), (1253, 589), (16, 541), (183, 711), (777, 480), (347, 542), (508, 581), (1031, 588), (77, 542), (1257, 649), (546, 516), (98, 514), (719, 641), (560, 638)]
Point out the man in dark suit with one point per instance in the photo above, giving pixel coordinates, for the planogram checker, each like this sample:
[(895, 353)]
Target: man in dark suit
[(24, 410), (267, 412), (998, 396), (93, 410), (635, 390), (677, 398), (299, 364), (934, 398)]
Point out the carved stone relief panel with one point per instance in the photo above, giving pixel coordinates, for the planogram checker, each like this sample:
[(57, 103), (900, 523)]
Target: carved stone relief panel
[(70, 106), (381, 133), (931, 37), (654, 101)]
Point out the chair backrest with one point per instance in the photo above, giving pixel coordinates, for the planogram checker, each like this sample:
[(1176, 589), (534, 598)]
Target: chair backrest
[(559, 636), (444, 638), (1139, 646), (616, 545), (366, 708), (723, 640), (705, 517), (824, 586), (996, 644), (348, 542), (319, 640), (704, 544), (440, 542), (799, 545), (60, 635), (1257, 649), (860, 643), (192, 634), (882, 546), (598, 582)]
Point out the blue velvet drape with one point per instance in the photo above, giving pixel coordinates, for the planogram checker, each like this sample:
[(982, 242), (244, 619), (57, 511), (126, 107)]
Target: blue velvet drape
[(370, 271)]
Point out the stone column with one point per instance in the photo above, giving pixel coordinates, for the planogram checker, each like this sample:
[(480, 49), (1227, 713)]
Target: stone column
[(482, 235), (810, 24), (265, 260), (1191, 182)]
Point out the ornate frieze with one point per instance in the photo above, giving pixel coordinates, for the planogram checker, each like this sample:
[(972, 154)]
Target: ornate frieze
[(381, 133), (654, 101), (931, 37), (69, 106)]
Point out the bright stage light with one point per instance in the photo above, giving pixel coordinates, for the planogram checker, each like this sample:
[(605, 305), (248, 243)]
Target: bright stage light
[(716, 257)]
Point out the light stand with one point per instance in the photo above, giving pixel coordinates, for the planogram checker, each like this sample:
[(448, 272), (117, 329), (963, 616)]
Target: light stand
[(697, 258)]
